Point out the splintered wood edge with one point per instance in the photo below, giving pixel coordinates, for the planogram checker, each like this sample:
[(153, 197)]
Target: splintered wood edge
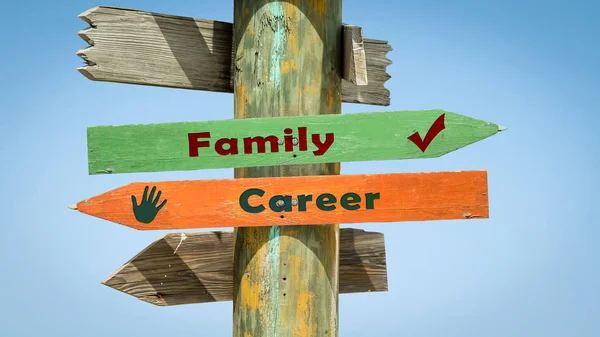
[(85, 16)]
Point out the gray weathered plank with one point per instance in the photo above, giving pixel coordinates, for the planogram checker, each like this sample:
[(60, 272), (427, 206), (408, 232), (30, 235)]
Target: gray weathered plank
[(137, 47), (355, 62), (199, 267)]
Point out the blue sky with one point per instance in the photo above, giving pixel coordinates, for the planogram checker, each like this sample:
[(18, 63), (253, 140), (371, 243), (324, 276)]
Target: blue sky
[(532, 269)]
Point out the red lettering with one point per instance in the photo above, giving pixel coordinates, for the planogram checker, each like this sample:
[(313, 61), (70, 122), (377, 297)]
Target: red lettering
[(230, 146), (289, 146), (194, 144), (322, 147), (233, 146), (260, 144), (302, 139)]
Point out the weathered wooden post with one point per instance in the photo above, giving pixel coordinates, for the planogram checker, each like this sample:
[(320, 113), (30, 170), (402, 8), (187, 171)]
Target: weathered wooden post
[(287, 63)]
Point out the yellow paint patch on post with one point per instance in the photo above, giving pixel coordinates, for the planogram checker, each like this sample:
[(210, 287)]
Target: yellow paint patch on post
[(304, 325), (309, 90), (250, 293), (286, 66), (293, 40), (292, 27), (295, 278), (319, 6), (295, 261), (242, 100), (256, 240), (329, 100), (332, 251)]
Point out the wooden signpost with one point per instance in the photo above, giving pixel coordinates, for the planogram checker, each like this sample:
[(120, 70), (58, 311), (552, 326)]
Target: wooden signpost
[(255, 202), (188, 268), (281, 141), (290, 65), (143, 48)]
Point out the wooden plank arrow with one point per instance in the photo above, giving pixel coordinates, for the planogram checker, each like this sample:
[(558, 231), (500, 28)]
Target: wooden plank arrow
[(186, 268), (281, 141), (302, 200), (138, 47)]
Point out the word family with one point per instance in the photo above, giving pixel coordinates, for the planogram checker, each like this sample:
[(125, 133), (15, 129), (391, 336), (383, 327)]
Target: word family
[(231, 146)]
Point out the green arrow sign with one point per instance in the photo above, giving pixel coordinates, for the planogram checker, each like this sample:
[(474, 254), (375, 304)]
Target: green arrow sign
[(281, 141)]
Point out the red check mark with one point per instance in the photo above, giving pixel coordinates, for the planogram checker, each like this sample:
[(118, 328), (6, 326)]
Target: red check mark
[(434, 130)]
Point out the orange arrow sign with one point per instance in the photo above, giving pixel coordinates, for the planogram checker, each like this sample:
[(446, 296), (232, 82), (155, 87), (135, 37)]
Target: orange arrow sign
[(294, 200)]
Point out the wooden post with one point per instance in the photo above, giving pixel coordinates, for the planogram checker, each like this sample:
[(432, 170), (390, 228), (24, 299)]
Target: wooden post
[(287, 62)]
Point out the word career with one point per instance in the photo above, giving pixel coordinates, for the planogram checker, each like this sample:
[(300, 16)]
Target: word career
[(231, 146), (325, 202)]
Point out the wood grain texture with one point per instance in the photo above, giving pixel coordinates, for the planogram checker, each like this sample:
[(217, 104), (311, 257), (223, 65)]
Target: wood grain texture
[(220, 203), (355, 61), (287, 63), (188, 268), (138, 47), (355, 137)]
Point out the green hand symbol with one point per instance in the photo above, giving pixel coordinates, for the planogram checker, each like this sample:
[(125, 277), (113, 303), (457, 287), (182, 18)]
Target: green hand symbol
[(146, 211)]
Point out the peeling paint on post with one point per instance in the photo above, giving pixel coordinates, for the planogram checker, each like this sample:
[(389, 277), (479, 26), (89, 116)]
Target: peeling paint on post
[(277, 50), (287, 63), (274, 247)]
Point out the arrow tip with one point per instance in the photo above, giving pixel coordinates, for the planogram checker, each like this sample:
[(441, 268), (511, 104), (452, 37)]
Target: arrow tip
[(73, 207), (501, 128)]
